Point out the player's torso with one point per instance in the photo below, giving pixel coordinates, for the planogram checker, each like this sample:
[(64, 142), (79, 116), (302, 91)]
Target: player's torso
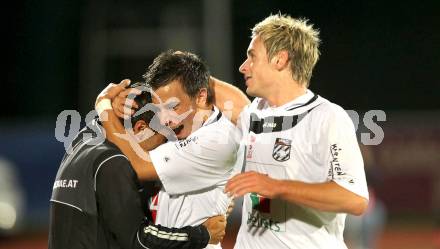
[(194, 208), (190, 209), (74, 188), (280, 143)]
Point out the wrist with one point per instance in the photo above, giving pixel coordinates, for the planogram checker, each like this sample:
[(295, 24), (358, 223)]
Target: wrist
[(279, 189), (199, 236), (102, 105)]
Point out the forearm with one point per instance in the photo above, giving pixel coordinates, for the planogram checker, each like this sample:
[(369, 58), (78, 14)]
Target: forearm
[(156, 236), (224, 93), (327, 196), (138, 158)]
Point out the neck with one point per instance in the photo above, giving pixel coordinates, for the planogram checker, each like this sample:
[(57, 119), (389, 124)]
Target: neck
[(285, 92), (203, 113)]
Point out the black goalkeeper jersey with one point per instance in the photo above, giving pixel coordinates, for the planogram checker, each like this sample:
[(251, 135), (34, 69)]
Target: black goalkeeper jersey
[(97, 202)]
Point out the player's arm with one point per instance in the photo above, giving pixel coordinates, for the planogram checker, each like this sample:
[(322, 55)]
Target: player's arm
[(121, 211), (328, 196), (139, 159), (227, 94)]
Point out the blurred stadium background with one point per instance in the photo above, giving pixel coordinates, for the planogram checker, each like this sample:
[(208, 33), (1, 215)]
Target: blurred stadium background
[(376, 55)]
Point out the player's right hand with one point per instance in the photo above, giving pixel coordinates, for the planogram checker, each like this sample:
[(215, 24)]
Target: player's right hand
[(216, 226), (112, 90)]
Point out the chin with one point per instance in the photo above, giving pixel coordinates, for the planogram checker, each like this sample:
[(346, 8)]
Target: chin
[(251, 92), (182, 135)]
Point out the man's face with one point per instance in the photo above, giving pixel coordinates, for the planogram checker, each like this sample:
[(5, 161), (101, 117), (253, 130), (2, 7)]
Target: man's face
[(177, 109), (257, 69)]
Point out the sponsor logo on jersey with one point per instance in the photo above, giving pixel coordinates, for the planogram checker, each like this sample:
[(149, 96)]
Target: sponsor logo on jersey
[(269, 125), (255, 219), (154, 206), (335, 166), (281, 149), (184, 143), (260, 216), (250, 147), (260, 203), (65, 184)]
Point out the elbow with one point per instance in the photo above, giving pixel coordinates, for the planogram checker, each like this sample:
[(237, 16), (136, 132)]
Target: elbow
[(358, 206)]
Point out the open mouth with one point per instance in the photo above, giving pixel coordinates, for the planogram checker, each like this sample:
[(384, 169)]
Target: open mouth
[(246, 78), (178, 129)]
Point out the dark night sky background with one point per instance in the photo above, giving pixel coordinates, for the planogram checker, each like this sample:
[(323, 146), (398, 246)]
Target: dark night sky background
[(375, 54)]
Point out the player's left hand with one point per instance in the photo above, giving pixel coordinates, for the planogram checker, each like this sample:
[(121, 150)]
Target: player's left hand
[(123, 106), (112, 90), (252, 182)]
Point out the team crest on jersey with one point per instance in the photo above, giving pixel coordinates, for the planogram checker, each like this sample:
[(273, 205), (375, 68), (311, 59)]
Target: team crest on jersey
[(281, 149)]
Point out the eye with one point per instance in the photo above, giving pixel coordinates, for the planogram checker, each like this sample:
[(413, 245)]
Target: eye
[(251, 54), (172, 104)]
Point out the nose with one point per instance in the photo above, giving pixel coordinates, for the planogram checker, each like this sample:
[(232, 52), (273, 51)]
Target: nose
[(244, 67), (165, 117), (169, 117)]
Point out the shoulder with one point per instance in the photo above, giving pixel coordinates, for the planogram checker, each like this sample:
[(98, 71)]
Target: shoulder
[(328, 110), (221, 130), (110, 159), (329, 115), (257, 104)]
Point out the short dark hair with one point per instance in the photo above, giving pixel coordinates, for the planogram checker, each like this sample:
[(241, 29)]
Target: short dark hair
[(141, 100), (186, 67)]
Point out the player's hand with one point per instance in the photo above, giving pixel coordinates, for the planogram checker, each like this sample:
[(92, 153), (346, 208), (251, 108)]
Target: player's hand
[(112, 90), (124, 106), (252, 182), (216, 226), (103, 101)]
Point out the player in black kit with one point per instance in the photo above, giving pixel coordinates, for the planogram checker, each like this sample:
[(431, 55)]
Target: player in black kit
[(98, 202)]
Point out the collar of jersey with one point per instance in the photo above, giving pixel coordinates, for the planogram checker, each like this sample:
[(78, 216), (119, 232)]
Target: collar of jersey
[(215, 116), (301, 100)]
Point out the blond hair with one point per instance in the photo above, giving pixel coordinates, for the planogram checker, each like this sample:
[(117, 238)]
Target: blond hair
[(282, 32)]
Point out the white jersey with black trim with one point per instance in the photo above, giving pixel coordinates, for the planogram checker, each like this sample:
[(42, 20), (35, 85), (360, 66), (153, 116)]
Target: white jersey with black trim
[(308, 139), (194, 172)]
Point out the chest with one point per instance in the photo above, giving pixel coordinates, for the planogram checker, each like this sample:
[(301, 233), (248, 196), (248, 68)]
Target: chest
[(287, 154)]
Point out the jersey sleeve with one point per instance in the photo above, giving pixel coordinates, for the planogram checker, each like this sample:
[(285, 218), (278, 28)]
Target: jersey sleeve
[(201, 161), (121, 211), (341, 152)]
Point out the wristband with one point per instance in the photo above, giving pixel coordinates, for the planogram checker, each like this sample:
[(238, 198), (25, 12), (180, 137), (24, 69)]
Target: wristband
[(103, 105)]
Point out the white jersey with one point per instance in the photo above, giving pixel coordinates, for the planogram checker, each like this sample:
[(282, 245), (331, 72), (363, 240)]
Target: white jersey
[(194, 172), (308, 139)]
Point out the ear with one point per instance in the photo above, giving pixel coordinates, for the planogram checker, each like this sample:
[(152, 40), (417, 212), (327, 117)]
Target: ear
[(202, 98), (281, 60), (139, 126)]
